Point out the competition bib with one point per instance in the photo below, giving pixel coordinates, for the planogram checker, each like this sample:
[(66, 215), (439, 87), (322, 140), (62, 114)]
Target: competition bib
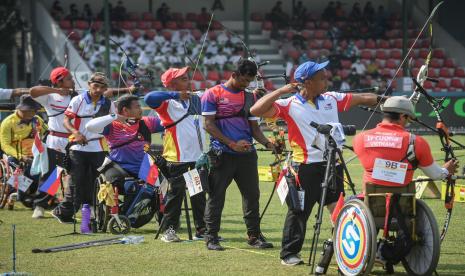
[(193, 182), (389, 170), (21, 182)]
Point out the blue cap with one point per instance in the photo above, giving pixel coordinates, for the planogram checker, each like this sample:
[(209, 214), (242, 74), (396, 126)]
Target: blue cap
[(308, 69)]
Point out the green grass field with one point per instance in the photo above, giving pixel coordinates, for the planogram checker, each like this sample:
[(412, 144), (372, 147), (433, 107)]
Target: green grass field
[(155, 257)]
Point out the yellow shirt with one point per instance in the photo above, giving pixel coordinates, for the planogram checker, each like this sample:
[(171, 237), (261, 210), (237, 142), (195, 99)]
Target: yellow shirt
[(15, 137)]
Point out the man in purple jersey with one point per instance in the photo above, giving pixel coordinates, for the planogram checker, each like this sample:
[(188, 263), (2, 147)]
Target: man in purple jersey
[(127, 133)]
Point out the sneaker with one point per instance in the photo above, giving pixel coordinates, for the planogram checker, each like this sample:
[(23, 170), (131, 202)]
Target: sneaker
[(292, 260), (200, 235), (61, 219), (214, 244), (170, 236), (259, 242), (38, 212)]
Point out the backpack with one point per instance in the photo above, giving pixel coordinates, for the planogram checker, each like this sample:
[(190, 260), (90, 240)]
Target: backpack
[(143, 206)]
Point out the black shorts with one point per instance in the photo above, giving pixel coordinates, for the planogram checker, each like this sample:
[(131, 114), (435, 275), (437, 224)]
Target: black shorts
[(312, 176)]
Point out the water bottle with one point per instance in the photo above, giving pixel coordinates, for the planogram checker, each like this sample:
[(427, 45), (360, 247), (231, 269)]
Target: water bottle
[(85, 222), (325, 259), (132, 239)]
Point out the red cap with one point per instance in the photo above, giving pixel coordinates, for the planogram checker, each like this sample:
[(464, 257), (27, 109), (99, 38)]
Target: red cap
[(172, 74), (58, 74)]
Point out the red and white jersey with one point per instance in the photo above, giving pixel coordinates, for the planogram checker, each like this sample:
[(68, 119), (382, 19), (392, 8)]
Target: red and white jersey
[(183, 142), (55, 104), (299, 113), (389, 142)]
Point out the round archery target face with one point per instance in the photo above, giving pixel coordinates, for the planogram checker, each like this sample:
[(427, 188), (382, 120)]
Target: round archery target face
[(351, 240)]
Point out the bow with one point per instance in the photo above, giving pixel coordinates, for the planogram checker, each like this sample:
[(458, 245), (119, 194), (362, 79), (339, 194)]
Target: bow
[(130, 67), (440, 128)]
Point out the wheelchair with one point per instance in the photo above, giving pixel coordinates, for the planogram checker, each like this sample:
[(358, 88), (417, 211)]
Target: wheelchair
[(6, 191), (131, 206), (356, 231)]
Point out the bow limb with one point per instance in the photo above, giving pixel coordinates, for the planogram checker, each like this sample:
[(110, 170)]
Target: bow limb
[(449, 197), (199, 56), (75, 76), (55, 56), (192, 63)]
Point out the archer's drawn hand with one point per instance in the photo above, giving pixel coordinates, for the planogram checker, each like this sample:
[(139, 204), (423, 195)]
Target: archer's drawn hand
[(184, 95), (289, 88), (132, 89), (260, 92), (64, 91)]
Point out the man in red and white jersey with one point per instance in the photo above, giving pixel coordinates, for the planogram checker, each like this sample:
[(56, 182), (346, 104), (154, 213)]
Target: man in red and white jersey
[(311, 103), (179, 110), (390, 154)]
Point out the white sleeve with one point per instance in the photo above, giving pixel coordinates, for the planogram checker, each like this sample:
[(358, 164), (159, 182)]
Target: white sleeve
[(5, 94), (435, 172), (98, 124), (43, 100)]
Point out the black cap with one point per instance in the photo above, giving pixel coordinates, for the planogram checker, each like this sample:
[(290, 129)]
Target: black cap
[(26, 102)]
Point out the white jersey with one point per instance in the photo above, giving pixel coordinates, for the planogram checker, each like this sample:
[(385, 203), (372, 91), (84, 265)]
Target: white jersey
[(55, 106), (78, 110)]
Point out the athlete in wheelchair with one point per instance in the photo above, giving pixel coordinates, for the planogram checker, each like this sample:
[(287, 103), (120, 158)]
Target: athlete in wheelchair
[(17, 134), (389, 155), (128, 134)]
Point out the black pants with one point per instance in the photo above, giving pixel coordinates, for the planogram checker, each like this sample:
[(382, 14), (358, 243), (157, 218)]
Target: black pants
[(243, 169), (55, 158), (117, 176), (27, 197), (81, 188), (311, 177), (175, 197)]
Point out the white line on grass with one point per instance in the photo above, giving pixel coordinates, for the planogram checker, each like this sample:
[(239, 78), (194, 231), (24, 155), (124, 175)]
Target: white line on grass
[(332, 267)]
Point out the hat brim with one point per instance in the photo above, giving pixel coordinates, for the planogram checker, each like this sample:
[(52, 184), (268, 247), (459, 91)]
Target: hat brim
[(178, 73), (320, 66), (398, 110), (181, 72)]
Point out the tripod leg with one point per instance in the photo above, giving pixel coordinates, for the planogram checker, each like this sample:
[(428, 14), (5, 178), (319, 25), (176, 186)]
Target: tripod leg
[(269, 200), (330, 164), (188, 220), (346, 171), (162, 224)]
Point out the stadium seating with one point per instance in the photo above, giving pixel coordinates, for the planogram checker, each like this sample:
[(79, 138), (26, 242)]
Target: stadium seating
[(387, 50)]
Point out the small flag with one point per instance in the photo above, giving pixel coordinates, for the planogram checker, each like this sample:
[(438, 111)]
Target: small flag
[(337, 209), (148, 170), (39, 164), (38, 146), (50, 186)]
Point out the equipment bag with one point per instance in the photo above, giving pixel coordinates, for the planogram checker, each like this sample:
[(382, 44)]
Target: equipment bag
[(394, 249), (143, 207)]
